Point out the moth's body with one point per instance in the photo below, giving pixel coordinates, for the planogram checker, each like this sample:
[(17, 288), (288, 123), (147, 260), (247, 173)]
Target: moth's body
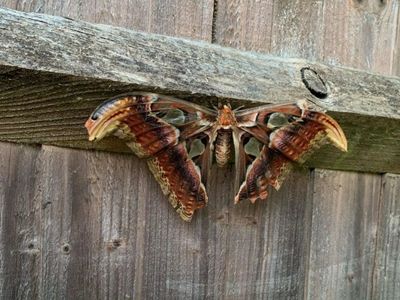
[(223, 144), (180, 140)]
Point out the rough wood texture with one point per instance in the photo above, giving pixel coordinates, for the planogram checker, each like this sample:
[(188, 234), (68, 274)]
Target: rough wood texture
[(345, 211), (102, 229), (191, 19), (183, 66), (387, 262), (37, 110), (20, 226), (346, 208), (358, 34)]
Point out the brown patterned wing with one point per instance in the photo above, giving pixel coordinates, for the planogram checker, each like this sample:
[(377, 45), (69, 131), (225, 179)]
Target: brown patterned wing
[(285, 134), (163, 130)]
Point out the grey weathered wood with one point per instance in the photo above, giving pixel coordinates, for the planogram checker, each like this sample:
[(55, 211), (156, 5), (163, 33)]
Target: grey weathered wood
[(20, 227), (183, 66), (49, 108), (310, 29), (387, 261), (285, 227), (347, 33), (245, 251), (105, 230), (343, 235), (191, 19), (90, 229)]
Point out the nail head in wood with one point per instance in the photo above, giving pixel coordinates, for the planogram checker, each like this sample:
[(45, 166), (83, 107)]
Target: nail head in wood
[(66, 248)]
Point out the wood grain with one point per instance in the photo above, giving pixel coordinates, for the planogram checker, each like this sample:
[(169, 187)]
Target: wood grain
[(88, 225), (192, 19), (343, 235), (20, 230), (355, 34), (36, 110), (387, 261), (183, 67), (105, 230)]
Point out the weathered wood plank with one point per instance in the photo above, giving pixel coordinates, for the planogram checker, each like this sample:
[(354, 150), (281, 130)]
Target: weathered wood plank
[(285, 227), (187, 67), (343, 235), (387, 261), (40, 111), (192, 19), (58, 114), (260, 249), (348, 33), (396, 56), (20, 227), (106, 229), (90, 227), (182, 244)]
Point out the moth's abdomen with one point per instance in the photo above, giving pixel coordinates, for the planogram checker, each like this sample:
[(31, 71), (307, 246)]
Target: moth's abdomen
[(223, 147)]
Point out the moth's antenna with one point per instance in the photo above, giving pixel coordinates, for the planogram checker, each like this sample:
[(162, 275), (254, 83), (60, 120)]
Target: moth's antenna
[(238, 108)]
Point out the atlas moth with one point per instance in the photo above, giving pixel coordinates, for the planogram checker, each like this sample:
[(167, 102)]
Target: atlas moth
[(180, 140)]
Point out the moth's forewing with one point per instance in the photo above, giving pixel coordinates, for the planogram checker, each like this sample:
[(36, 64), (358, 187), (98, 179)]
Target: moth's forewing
[(290, 133), (157, 128)]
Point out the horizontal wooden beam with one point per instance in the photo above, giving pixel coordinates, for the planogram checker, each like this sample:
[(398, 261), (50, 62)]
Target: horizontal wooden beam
[(54, 71)]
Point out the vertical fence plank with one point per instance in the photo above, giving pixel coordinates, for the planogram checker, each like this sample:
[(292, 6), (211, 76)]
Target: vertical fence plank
[(192, 19), (283, 228), (52, 189), (95, 225), (20, 228), (359, 34), (258, 250), (109, 231), (343, 235), (387, 263), (89, 238)]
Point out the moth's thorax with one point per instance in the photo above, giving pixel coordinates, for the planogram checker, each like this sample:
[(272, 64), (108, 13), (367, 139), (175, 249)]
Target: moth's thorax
[(226, 117)]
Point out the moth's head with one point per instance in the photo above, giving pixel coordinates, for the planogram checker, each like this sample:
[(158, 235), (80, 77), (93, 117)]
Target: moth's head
[(106, 118), (226, 116)]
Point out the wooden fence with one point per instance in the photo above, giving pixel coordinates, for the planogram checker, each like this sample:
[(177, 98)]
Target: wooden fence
[(83, 224)]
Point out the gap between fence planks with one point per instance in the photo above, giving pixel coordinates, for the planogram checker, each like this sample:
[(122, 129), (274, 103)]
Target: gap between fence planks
[(54, 71)]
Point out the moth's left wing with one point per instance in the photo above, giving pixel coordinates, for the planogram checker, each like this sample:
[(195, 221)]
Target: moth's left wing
[(170, 133), (279, 135)]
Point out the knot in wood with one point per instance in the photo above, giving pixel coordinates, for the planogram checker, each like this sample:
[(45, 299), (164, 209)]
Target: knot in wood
[(314, 83)]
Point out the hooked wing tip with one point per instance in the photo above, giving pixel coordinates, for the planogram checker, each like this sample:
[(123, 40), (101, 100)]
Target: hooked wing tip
[(335, 133), (89, 125), (338, 139)]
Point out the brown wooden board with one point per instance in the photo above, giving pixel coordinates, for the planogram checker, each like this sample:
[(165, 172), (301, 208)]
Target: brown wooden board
[(51, 108), (185, 67), (83, 224), (192, 19), (353, 33), (20, 223), (345, 212), (387, 261), (348, 33), (104, 228)]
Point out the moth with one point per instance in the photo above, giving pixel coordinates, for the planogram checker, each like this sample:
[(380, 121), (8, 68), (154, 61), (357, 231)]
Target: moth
[(180, 140)]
